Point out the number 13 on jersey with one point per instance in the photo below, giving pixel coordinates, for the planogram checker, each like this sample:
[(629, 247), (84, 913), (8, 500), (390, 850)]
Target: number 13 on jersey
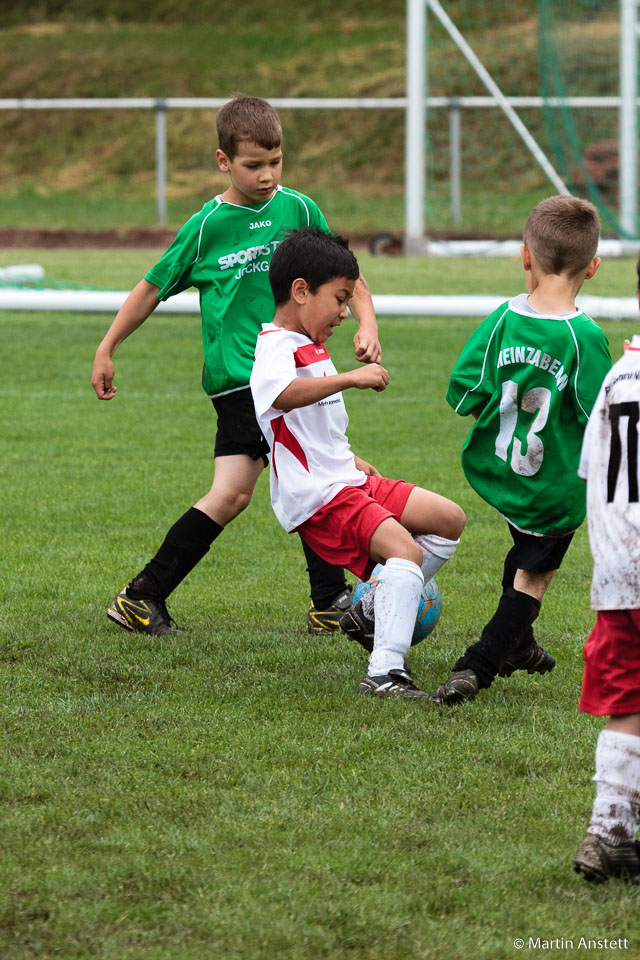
[(526, 459)]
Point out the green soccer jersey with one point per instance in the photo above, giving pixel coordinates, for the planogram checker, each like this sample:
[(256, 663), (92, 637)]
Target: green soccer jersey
[(224, 251), (531, 380)]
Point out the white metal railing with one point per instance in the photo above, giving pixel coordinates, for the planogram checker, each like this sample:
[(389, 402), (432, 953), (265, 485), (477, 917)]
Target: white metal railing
[(160, 105)]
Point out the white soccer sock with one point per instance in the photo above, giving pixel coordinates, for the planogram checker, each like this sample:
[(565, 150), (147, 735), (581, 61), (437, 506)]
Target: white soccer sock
[(398, 589), (435, 552), (616, 809)]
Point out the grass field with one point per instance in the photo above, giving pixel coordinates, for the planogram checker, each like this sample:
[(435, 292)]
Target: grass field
[(224, 794)]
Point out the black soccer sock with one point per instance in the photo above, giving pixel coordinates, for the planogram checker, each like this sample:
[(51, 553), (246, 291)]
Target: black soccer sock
[(515, 614), (325, 580), (525, 638), (509, 571), (184, 546)]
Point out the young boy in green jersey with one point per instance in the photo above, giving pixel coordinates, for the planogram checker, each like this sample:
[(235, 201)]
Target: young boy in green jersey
[(529, 375), (224, 251)]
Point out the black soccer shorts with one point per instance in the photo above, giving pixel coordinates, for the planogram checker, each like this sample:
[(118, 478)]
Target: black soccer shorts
[(238, 431), (537, 554)]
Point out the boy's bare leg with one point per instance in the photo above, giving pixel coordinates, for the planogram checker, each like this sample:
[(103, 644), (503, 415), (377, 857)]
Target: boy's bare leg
[(426, 512), (628, 723), (533, 584), (610, 848), (234, 481)]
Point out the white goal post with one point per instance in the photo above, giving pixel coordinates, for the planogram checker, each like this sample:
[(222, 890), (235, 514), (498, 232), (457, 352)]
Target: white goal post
[(415, 240)]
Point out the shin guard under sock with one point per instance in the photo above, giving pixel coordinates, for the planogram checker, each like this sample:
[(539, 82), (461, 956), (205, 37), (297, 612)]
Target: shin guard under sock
[(395, 605), (184, 546), (435, 552), (515, 614)]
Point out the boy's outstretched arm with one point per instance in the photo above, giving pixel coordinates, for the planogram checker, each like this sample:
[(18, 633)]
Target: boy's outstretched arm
[(366, 343), (140, 303), (303, 391)]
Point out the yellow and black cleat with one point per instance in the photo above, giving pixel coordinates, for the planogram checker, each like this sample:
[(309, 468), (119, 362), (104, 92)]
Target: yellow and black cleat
[(143, 616)]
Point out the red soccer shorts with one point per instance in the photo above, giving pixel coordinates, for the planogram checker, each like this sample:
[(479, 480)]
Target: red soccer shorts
[(611, 681), (341, 531)]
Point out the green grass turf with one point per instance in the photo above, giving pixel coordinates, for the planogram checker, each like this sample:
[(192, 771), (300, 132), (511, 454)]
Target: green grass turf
[(225, 794)]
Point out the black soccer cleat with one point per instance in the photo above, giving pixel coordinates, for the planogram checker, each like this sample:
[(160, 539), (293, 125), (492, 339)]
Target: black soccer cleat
[(358, 627), (396, 683), (143, 616), (598, 860), (460, 687), (532, 658), (321, 622)]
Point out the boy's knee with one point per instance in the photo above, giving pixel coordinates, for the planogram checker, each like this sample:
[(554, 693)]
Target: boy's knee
[(224, 505), (238, 500), (453, 522), (410, 551)]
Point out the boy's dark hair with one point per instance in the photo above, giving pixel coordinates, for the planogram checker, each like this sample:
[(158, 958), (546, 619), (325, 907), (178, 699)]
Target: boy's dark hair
[(562, 232), (249, 119), (313, 255)]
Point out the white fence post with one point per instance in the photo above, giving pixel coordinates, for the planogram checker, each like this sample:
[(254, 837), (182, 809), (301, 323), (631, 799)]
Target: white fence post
[(628, 152), (455, 162), (161, 162), (415, 128)]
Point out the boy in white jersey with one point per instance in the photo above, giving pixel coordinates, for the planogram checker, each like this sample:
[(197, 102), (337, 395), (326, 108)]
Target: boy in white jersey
[(611, 683), (338, 503), (224, 251), (529, 375)]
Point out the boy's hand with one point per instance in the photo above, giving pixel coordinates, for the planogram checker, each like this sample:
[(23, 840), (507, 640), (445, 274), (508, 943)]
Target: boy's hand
[(625, 345), (102, 378), (366, 467), (367, 347), (371, 377)]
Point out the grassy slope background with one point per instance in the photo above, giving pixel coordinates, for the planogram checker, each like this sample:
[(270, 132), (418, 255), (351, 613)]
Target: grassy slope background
[(96, 169)]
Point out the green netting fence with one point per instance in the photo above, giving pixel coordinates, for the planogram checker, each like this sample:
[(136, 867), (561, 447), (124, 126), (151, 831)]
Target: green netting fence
[(554, 50)]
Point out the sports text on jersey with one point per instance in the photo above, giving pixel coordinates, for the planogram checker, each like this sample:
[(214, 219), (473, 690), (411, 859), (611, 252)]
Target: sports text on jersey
[(536, 358), (634, 375), (229, 260), (259, 224)]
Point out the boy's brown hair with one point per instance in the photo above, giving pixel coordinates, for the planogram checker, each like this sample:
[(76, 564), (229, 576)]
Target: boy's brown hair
[(562, 232), (249, 119)]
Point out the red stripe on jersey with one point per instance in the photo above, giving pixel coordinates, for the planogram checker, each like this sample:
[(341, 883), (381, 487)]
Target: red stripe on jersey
[(310, 353), (263, 332), (282, 434)]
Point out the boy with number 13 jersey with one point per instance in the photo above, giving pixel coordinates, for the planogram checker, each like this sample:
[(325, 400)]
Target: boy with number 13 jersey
[(530, 375), (534, 379)]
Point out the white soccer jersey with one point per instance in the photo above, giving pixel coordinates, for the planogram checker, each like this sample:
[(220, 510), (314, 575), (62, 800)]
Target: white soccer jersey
[(609, 464), (311, 460)]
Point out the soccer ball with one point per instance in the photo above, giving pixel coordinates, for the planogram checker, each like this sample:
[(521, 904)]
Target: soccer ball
[(429, 607)]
